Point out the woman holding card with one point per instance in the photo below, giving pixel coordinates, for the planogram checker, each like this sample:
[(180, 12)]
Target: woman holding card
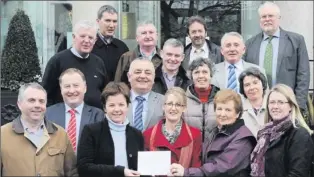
[(110, 147), (228, 148), (173, 134)]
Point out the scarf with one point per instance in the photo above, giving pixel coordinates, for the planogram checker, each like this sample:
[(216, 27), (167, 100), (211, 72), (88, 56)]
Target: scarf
[(271, 131), (203, 94)]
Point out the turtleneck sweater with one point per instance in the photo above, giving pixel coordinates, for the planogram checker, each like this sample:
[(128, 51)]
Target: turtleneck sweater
[(119, 140)]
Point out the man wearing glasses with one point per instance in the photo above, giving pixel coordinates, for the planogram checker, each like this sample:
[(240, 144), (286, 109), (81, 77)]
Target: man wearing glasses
[(79, 57)]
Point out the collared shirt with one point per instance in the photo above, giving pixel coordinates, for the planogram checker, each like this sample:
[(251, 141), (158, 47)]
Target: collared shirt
[(203, 54), (150, 56), (106, 40), (134, 103), (275, 43), (34, 137), (238, 69), (78, 117), (170, 81), (75, 52)]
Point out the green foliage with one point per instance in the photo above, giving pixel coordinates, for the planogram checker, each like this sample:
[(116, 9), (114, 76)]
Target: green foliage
[(19, 60)]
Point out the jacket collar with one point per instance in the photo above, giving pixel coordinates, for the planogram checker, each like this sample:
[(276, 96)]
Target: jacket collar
[(181, 73), (182, 140), (18, 128), (229, 129), (247, 105), (101, 43), (138, 52), (192, 94)]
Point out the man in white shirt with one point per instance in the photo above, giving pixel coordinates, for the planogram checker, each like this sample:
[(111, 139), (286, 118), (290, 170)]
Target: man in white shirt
[(227, 72), (200, 46)]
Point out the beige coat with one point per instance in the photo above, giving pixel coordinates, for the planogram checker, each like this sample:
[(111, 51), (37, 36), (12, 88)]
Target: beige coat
[(19, 157), (252, 121), (195, 111)]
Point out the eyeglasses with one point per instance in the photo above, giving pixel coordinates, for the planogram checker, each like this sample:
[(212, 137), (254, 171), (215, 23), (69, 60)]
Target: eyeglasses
[(279, 102), (176, 105)]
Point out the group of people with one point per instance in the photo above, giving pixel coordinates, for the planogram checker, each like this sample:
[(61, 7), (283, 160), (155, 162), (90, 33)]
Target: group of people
[(234, 110)]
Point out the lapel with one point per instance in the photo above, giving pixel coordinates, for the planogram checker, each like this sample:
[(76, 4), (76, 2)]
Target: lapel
[(221, 74), (85, 118), (130, 114), (256, 47), (60, 118), (152, 97), (283, 40)]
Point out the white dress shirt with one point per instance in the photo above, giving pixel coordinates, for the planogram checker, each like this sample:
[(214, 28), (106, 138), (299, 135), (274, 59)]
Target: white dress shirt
[(204, 53)]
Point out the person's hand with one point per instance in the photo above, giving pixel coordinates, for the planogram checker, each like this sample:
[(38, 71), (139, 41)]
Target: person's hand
[(176, 170), (128, 172)]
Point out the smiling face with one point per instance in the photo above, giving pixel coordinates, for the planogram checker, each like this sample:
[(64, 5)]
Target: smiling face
[(173, 108), (84, 40), (252, 87), (141, 76), (33, 104), (108, 24), (226, 113), (73, 89), (201, 77), (232, 49), (278, 106), (116, 108), (171, 58), (197, 34), (146, 35)]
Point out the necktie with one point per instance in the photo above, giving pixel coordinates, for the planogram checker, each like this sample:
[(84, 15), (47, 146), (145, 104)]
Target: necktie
[(72, 128), (232, 78), (268, 61), (138, 121)]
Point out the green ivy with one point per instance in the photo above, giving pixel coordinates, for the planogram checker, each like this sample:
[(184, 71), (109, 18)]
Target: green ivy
[(19, 63)]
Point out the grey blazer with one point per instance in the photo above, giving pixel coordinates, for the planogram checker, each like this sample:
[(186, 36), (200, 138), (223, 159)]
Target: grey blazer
[(155, 111), (90, 114), (292, 62), (219, 77)]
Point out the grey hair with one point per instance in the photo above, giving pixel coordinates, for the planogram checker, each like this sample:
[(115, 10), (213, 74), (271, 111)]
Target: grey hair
[(84, 24), (33, 85), (200, 62), (268, 3), (252, 71), (197, 19), (226, 35), (106, 8), (173, 43), (144, 23)]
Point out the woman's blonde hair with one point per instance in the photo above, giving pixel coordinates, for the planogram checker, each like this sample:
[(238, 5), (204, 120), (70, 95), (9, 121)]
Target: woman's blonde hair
[(295, 110), (179, 93)]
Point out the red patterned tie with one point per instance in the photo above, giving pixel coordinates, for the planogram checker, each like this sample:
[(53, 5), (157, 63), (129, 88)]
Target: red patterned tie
[(72, 128)]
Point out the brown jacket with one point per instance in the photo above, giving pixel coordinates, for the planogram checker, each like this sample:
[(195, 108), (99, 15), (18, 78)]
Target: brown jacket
[(127, 58), (19, 157)]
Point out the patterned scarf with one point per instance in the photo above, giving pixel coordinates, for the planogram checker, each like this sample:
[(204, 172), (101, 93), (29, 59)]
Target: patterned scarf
[(175, 134), (271, 131)]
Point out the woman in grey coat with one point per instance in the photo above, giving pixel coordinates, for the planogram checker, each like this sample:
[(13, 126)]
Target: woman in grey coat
[(200, 95)]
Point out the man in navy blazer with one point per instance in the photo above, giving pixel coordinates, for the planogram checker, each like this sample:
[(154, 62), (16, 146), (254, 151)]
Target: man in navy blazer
[(73, 87), (290, 60)]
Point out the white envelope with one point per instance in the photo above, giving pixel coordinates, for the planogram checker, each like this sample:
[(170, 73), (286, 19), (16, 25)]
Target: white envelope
[(154, 162)]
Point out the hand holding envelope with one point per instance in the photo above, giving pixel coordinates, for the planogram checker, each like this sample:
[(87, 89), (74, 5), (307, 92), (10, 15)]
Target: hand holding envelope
[(154, 162)]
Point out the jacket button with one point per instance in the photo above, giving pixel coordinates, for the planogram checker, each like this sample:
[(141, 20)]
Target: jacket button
[(130, 155)]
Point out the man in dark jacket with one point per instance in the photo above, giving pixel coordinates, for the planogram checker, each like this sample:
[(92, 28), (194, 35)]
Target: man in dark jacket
[(170, 73), (108, 48), (200, 47)]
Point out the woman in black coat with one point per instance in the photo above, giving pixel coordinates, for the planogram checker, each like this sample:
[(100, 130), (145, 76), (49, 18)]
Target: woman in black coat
[(284, 146), (110, 147)]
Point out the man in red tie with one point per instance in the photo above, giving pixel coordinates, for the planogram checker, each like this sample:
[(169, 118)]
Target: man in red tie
[(73, 114)]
